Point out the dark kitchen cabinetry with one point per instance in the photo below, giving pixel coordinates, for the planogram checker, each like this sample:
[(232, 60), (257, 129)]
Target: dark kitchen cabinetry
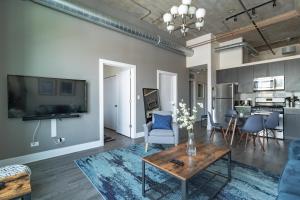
[(276, 69), (227, 76), (292, 126), (261, 70), (245, 79), (268, 69), (292, 75)]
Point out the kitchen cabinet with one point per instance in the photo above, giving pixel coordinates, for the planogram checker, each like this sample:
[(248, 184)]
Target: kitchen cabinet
[(268, 69), (227, 76), (292, 74), (292, 124), (276, 69), (261, 70), (245, 79)]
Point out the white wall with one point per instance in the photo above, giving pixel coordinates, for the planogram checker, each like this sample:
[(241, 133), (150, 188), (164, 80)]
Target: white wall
[(204, 55), (231, 57)]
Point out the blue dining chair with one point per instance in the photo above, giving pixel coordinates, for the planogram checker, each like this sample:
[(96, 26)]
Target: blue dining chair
[(230, 117), (271, 123), (215, 127), (253, 125)]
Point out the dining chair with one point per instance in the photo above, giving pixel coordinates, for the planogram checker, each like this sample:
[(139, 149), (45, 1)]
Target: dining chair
[(216, 127), (270, 125), (253, 125), (234, 124)]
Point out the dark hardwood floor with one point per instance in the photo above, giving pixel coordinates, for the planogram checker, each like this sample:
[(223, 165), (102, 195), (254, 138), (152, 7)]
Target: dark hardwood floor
[(60, 179)]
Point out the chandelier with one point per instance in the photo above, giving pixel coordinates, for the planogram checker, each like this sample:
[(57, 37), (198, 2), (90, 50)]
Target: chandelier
[(187, 15)]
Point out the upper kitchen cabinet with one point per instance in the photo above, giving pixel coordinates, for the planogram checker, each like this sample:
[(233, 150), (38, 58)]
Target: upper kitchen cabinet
[(292, 75), (227, 76), (269, 69), (261, 70), (245, 79), (276, 69)]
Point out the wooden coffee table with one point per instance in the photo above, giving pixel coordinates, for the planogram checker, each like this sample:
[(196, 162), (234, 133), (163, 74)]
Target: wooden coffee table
[(207, 154)]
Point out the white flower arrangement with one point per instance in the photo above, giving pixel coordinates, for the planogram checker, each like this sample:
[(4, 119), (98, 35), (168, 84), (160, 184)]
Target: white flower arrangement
[(184, 119)]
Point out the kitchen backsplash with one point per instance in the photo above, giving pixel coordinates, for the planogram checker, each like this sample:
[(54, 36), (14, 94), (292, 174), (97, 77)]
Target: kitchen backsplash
[(252, 96)]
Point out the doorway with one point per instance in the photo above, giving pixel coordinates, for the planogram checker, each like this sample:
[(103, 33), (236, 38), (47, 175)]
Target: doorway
[(117, 104), (167, 85), (198, 89)]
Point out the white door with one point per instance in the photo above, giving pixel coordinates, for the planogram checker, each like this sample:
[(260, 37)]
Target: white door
[(124, 105), (110, 102), (167, 85)]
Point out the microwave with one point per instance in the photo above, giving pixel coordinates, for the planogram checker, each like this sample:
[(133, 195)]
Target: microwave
[(268, 83)]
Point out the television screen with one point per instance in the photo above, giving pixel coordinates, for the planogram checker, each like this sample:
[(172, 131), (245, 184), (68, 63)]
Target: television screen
[(37, 96)]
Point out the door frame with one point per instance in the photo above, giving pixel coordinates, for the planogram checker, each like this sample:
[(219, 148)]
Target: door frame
[(132, 68), (175, 87)]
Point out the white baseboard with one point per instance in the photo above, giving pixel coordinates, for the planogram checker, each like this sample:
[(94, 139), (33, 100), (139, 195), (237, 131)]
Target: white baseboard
[(50, 153), (140, 134)]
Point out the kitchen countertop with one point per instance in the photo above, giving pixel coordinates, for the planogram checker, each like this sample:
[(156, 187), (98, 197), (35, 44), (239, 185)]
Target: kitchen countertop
[(291, 110)]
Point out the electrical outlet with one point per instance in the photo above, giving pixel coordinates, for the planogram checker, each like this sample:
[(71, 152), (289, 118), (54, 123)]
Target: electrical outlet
[(34, 144)]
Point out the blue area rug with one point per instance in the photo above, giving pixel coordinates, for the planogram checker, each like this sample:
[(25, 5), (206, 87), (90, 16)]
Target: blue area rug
[(117, 175)]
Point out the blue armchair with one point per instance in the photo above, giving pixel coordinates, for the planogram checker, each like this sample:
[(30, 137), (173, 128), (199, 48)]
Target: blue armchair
[(289, 182), (160, 136)]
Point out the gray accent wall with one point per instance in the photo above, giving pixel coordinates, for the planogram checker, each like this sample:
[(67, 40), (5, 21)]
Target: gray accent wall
[(38, 41)]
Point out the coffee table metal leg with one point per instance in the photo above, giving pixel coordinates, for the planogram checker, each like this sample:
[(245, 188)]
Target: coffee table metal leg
[(184, 189), (229, 165), (26, 197), (143, 178)]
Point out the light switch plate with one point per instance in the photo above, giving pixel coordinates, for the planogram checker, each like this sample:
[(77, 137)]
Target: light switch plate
[(34, 144)]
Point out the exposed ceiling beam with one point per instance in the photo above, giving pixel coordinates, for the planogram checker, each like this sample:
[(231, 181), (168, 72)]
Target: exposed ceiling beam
[(280, 43), (257, 28), (261, 24), (222, 37)]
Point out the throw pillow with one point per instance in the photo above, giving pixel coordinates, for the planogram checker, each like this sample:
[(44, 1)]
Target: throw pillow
[(162, 122)]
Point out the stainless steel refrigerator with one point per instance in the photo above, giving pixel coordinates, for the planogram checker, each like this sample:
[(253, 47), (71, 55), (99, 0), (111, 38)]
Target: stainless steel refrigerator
[(223, 100)]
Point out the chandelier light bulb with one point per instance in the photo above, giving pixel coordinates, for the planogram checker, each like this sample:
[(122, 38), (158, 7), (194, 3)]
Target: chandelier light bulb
[(187, 2), (200, 13), (192, 10), (199, 24), (190, 16), (170, 28), (183, 9), (167, 17), (174, 10)]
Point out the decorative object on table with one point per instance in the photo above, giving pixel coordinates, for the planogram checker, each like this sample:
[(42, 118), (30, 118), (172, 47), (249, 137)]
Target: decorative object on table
[(15, 181), (151, 102), (117, 174), (189, 16), (161, 130), (187, 120)]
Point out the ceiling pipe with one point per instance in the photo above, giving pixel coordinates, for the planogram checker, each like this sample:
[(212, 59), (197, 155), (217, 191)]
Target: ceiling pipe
[(239, 44), (113, 24)]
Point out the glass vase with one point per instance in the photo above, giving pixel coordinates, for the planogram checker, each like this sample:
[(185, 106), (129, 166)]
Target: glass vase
[(191, 144)]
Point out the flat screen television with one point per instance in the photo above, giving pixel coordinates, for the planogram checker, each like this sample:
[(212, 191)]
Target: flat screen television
[(30, 96)]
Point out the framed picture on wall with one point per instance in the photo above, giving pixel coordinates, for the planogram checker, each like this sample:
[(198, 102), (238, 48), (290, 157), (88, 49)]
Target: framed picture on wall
[(151, 102), (200, 91), (47, 86), (67, 88)]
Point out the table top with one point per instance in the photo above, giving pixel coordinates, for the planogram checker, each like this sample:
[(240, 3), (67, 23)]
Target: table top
[(206, 155), (16, 188)]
